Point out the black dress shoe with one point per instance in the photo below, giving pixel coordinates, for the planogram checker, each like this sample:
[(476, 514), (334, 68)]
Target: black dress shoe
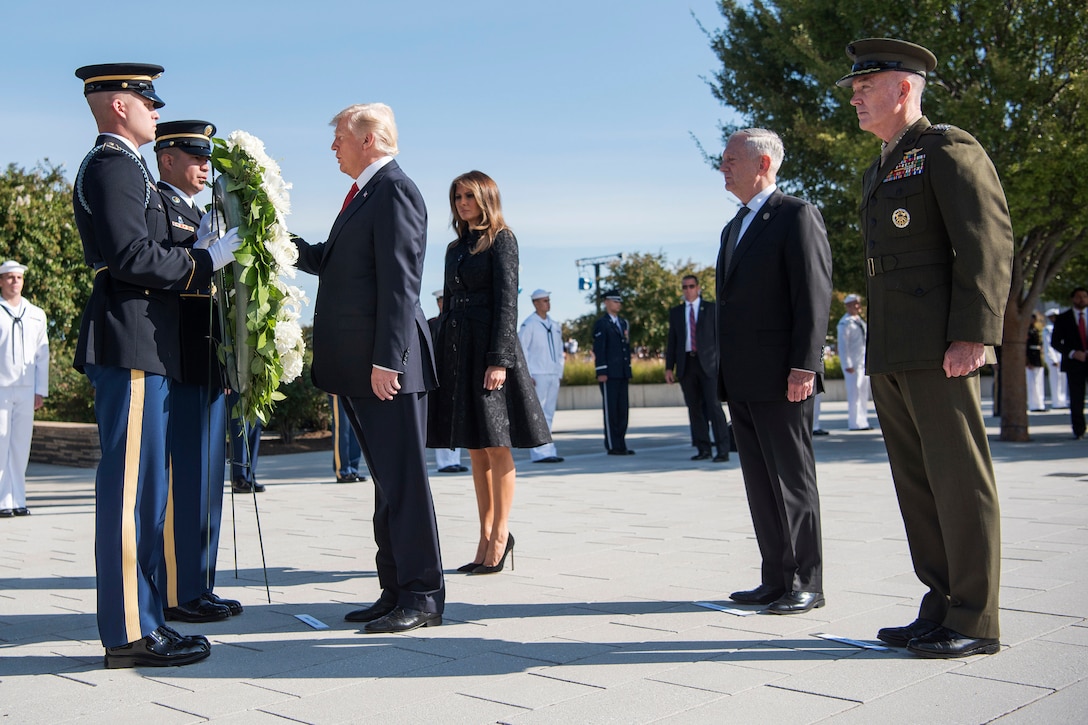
[(721, 458), (21, 511), (796, 603), (550, 459), (233, 605), (820, 432), (377, 610), (899, 636), (6, 513), (701, 456), (624, 452), (762, 594), (403, 620), (158, 649), (943, 643), (198, 610), (350, 478), (242, 486), (187, 640), (452, 469)]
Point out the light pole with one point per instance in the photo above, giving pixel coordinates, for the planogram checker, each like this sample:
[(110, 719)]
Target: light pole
[(596, 262)]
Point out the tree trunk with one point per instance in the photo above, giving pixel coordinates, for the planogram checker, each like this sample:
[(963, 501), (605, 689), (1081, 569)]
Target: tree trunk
[(1014, 387)]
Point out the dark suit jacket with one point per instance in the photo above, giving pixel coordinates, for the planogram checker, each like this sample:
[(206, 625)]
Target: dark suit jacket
[(706, 340), (1065, 339), (774, 301), (131, 318), (611, 348), (368, 311)]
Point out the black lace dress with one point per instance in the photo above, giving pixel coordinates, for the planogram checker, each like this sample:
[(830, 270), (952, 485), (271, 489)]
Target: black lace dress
[(477, 329)]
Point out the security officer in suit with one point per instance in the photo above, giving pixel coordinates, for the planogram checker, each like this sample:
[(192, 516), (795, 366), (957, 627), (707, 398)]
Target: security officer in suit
[(692, 349), (612, 353), (130, 348), (1070, 339), (197, 432), (938, 248)]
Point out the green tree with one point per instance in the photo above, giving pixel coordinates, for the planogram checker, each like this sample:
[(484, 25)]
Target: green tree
[(650, 286), (1012, 72), (37, 228)]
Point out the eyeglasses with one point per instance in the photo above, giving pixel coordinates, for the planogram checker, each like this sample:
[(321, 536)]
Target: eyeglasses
[(688, 286)]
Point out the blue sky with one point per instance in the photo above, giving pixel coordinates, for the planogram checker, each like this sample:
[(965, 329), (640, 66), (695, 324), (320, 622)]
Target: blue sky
[(583, 112)]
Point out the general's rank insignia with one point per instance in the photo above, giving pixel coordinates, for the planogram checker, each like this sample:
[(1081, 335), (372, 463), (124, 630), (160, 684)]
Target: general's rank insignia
[(912, 164), (900, 218)]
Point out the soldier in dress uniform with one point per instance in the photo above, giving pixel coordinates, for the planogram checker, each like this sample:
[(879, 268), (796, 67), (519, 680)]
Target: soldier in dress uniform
[(197, 432), (612, 353), (938, 249), (130, 349)]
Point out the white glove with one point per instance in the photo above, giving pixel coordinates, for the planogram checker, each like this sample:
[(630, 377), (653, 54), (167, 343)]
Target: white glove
[(222, 250), (212, 221)]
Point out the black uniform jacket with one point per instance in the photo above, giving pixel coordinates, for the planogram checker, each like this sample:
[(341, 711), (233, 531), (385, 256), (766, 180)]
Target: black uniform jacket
[(131, 318)]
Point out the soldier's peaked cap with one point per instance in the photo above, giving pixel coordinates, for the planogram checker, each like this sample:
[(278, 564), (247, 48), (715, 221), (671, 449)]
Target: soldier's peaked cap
[(876, 55), (135, 77)]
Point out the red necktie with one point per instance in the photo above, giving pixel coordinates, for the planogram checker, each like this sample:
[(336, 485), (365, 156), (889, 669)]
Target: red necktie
[(691, 324), (1083, 331), (351, 195)]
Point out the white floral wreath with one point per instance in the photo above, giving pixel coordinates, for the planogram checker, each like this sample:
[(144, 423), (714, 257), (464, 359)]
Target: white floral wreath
[(263, 342)]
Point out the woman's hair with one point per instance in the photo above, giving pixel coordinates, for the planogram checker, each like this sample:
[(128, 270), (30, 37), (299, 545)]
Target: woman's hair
[(486, 192)]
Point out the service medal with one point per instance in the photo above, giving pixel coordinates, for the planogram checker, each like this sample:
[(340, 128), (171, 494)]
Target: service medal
[(900, 218)]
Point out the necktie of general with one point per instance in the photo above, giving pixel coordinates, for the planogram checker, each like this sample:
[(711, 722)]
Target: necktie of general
[(351, 195), (1083, 330), (691, 325), (733, 235)]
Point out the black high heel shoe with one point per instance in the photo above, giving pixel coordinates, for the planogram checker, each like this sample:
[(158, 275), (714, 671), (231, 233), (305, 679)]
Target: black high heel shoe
[(468, 567), (482, 569)]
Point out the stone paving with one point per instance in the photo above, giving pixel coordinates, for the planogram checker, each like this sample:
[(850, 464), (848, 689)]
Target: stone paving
[(597, 623)]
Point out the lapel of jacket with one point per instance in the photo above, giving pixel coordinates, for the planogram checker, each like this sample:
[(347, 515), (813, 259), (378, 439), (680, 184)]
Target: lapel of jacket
[(909, 141), (356, 204), (762, 218)]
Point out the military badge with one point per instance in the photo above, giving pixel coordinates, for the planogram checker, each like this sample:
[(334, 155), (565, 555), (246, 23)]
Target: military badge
[(900, 218), (912, 164), (175, 199)]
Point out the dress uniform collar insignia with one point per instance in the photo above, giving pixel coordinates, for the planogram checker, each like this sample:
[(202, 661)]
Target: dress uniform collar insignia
[(912, 164), (175, 199)]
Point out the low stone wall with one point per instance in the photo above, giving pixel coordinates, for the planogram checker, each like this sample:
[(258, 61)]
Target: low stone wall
[(65, 444)]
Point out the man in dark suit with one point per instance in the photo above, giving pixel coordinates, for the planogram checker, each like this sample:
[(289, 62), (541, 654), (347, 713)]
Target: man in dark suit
[(612, 356), (692, 349), (938, 250), (130, 349), (1070, 338), (197, 411), (372, 347), (774, 297)]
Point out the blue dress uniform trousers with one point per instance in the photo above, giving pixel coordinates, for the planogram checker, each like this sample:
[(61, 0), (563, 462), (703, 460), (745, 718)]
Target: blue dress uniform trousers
[(346, 452), (616, 407), (245, 443), (194, 507), (132, 410)]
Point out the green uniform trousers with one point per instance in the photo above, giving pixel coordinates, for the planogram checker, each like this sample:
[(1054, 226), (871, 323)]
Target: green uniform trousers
[(944, 478)]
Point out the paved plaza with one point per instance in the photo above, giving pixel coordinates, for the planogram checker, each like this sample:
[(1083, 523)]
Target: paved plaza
[(597, 623)]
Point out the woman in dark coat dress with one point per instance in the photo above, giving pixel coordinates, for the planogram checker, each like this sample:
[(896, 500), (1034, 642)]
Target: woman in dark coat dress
[(485, 400)]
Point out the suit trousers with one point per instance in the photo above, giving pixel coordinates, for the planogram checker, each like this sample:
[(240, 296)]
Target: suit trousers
[(16, 433), (704, 409), (132, 409), (1075, 383), (616, 409), (392, 434), (194, 507), (547, 390), (940, 458), (774, 440)]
